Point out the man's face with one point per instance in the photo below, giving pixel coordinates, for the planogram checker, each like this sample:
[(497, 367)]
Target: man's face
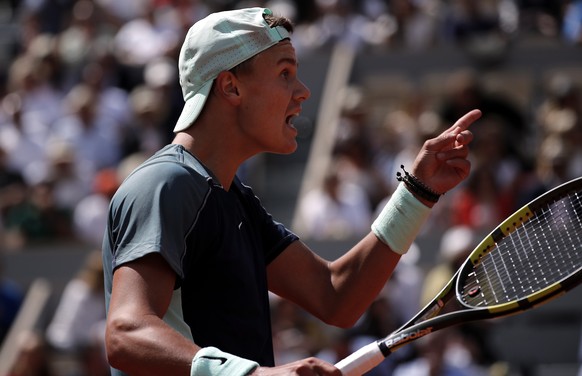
[(271, 96)]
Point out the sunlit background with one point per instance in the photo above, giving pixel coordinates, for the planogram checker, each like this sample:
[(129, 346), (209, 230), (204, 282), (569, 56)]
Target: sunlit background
[(89, 89)]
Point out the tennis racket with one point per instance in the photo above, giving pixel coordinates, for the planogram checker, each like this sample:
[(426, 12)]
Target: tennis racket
[(533, 256)]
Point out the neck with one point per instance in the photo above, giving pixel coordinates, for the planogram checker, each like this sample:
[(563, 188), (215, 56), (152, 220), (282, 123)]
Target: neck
[(221, 161)]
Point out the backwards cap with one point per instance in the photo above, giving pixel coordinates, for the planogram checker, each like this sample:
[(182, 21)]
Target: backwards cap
[(218, 43)]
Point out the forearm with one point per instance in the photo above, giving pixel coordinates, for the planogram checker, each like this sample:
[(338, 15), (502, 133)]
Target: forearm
[(358, 277), (339, 292), (148, 346)]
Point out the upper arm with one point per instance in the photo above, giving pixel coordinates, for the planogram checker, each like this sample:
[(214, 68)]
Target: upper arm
[(300, 275), (137, 338), (336, 292), (142, 287)]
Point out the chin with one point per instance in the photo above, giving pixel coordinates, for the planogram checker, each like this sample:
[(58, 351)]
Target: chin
[(287, 149)]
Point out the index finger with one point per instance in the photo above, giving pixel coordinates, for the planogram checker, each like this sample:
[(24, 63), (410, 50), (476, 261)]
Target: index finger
[(446, 139), (465, 121)]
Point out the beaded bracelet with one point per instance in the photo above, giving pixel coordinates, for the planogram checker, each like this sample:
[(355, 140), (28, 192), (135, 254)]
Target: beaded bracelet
[(417, 186)]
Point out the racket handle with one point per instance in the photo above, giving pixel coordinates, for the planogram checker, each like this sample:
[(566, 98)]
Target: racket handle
[(361, 361)]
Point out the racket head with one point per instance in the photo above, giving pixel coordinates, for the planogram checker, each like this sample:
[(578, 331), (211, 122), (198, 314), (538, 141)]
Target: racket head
[(530, 258)]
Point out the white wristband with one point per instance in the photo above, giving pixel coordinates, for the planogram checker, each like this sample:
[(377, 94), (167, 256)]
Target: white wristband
[(210, 361), (400, 220)]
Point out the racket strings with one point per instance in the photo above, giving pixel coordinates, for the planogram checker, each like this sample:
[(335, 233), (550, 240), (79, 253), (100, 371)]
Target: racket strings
[(543, 251), (541, 265)]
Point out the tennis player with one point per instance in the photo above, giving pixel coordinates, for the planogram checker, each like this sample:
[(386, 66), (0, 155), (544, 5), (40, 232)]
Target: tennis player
[(189, 251)]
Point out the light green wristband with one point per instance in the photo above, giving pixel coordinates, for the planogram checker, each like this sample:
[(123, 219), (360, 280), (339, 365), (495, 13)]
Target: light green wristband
[(210, 361), (400, 220)]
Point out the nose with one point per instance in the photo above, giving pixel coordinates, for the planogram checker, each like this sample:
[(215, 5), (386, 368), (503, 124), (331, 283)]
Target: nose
[(302, 92)]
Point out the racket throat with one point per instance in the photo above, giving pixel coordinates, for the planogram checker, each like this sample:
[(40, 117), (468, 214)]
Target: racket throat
[(384, 349)]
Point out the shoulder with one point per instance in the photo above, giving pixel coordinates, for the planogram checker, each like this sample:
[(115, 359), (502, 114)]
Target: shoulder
[(170, 165), (167, 176)]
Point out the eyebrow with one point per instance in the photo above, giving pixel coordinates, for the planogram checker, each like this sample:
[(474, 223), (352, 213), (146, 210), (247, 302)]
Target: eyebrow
[(288, 60)]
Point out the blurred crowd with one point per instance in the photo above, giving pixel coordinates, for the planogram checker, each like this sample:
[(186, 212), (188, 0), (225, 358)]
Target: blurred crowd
[(516, 155), (88, 89)]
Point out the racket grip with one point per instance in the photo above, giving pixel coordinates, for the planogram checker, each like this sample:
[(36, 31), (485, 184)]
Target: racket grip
[(361, 361)]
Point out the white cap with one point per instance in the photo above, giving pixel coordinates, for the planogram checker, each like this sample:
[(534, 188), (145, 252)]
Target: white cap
[(218, 43)]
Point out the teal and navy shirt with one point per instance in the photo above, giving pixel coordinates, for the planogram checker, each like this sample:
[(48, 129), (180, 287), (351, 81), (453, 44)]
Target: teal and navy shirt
[(218, 242)]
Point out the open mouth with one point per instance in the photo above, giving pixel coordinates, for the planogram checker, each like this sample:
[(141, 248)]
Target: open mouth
[(290, 119)]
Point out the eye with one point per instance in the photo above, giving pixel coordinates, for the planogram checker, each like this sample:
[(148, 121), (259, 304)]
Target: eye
[(285, 74)]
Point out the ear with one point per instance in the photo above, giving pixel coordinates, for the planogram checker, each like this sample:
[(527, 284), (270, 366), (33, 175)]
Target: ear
[(226, 86)]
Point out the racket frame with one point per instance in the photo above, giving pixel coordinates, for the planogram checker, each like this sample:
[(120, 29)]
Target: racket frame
[(419, 325), (426, 321)]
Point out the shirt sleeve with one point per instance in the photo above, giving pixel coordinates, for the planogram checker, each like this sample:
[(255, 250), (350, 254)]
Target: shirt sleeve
[(154, 211)]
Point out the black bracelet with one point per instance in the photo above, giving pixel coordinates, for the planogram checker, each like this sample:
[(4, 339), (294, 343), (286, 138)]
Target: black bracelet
[(417, 186)]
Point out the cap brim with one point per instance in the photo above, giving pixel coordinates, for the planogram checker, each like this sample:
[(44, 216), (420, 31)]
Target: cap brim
[(193, 107)]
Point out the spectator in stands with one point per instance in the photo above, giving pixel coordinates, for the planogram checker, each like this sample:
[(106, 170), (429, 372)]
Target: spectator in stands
[(11, 183), (455, 245), (552, 165), (22, 137), (121, 12), (337, 21), (65, 173), (75, 42), (540, 17), (161, 76), (408, 126), (13, 190), (355, 147), (572, 25), (36, 218), (498, 152), (561, 107), (403, 131), (11, 298), (465, 90), (375, 323), (560, 118), (558, 157), (40, 208), (338, 210), (443, 353), (144, 38), (480, 203), (296, 334), (147, 131), (417, 25), (396, 304), (93, 358), (112, 100), (404, 290), (80, 311), (484, 29), (90, 214), (32, 78), (32, 355), (95, 139), (469, 344)]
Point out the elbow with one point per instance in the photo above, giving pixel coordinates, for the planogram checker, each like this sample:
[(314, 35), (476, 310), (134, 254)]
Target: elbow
[(340, 318), (343, 322), (117, 343)]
